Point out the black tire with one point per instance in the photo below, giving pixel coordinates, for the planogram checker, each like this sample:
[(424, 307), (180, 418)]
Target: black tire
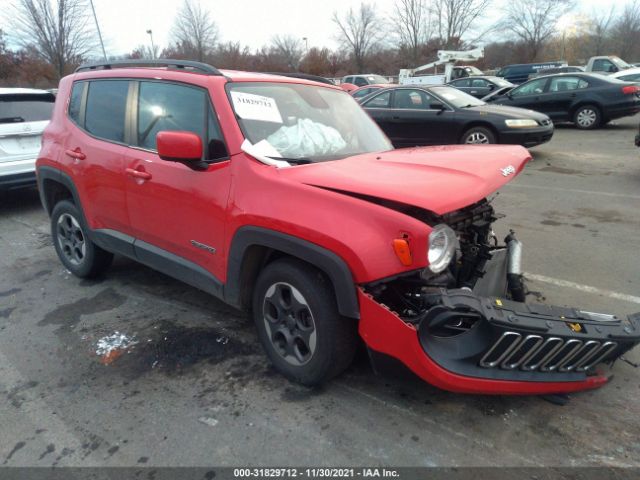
[(587, 117), (286, 332), (77, 253), (478, 136)]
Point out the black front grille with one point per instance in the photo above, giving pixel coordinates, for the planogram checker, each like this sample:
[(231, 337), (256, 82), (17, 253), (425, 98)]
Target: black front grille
[(515, 350)]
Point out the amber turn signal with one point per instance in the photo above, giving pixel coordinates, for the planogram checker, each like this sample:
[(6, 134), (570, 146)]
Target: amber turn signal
[(403, 252)]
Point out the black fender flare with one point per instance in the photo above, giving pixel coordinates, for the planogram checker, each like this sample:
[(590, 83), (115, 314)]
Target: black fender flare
[(58, 176), (327, 261)]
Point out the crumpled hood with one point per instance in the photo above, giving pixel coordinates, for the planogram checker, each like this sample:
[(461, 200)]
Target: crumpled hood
[(440, 179)]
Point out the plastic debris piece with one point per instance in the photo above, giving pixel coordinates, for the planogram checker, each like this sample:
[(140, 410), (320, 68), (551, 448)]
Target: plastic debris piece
[(109, 348), (212, 422)]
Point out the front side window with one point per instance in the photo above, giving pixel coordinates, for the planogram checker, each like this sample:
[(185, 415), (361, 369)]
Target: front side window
[(461, 83), (106, 107), (479, 83), (412, 99), (534, 87), (304, 122), (167, 106), (361, 82), (21, 108), (363, 92)]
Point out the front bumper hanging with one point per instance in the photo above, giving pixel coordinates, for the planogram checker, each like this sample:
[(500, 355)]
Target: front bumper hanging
[(519, 341)]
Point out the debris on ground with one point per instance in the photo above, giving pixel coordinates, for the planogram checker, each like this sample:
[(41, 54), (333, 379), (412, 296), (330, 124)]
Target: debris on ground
[(113, 346)]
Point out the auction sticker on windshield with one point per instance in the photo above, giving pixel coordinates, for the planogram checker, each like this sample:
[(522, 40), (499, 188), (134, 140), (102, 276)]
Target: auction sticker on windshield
[(256, 107)]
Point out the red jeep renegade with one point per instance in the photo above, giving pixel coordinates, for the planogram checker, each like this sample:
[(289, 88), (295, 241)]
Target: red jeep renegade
[(282, 197)]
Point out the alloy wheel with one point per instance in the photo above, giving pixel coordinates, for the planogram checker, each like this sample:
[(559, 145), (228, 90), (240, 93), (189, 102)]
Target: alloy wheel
[(477, 138), (71, 239), (289, 323)]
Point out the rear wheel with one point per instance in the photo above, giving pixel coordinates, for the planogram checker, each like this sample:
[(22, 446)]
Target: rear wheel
[(478, 136), (587, 117), (76, 251), (298, 323)]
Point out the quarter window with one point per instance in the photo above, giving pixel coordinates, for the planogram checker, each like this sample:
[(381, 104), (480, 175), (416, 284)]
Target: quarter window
[(75, 102), (106, 107)]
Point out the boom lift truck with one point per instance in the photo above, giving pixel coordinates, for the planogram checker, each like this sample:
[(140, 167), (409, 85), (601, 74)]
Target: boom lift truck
[(448, 58)]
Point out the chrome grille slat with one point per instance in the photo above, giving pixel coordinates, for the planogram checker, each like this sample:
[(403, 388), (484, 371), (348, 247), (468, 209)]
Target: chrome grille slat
[(605, 349), (586, 352), (565, 354), (512, 337), (537, 342), (558, 345)]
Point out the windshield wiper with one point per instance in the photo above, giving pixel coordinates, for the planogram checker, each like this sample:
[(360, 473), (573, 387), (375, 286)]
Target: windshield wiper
[(11, 120), (297, 161)]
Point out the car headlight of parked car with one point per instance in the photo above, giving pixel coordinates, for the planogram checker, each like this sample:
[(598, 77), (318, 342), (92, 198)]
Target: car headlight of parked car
[(521, 123), (443, 243)]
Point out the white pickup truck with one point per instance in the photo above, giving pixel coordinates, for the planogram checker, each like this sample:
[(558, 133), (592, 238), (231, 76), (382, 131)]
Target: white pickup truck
[(606, 64)]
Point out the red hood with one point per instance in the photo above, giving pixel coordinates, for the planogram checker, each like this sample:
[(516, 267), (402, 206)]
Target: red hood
[(439, 179)]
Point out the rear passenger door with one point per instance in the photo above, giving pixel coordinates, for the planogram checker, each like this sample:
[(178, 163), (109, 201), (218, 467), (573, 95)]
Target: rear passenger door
[(178, 214), (562, 93), (94, 151)]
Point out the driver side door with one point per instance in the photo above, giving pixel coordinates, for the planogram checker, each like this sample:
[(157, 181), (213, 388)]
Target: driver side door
[(530, 95)]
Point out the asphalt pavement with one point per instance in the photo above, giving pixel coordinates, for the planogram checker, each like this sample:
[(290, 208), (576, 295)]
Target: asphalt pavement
[(197, 390)]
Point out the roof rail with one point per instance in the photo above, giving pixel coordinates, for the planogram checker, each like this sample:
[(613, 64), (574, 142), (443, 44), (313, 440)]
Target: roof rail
[(161, 62)]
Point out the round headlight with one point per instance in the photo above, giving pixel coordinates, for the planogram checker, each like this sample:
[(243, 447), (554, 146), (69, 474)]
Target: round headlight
[(442, 247)]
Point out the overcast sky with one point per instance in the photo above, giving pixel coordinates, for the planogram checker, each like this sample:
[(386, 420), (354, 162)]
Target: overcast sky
[(252, 22)]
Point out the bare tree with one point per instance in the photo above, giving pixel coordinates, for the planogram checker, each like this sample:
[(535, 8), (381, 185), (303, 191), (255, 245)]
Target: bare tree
[(194, 30), (413, 21), (626, 30), (290, 48), (455, 18), (533, 22), (58, 30), (359, 31), (601, 25)]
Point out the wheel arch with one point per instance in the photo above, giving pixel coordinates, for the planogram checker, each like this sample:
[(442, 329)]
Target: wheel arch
[(253, 247), (53, 186), (584, 103)]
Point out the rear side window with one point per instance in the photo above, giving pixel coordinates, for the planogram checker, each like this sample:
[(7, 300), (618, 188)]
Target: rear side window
[(479, 83), (563, 84), (26, 108), (106, 107), (628, 78)]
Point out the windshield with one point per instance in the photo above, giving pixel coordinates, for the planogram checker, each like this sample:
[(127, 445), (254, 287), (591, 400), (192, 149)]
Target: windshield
[(501, 82), (373, 79), (304, 122), (456, 97), (618, 62)]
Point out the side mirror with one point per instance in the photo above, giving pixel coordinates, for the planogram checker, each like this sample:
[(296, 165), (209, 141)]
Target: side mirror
[(492, 86), (436, 106), (182, 147)]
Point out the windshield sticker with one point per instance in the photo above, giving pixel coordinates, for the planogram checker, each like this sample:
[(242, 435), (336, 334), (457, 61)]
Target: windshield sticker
[(266, 149), (256, 107)]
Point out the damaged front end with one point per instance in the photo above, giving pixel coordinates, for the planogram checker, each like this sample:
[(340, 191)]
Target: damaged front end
[(467, 328)]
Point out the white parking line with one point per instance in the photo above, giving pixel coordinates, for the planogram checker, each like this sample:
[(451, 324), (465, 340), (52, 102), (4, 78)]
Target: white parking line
[(573, 190), (583, 288)]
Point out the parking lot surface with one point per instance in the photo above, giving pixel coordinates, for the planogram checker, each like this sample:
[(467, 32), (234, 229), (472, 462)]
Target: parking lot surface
[(197, 390)]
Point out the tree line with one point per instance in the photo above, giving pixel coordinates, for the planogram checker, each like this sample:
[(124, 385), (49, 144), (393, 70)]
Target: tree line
[(50, 38)]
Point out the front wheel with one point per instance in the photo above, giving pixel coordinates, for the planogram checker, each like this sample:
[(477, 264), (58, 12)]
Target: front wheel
[(587, 117), (298, 323), (76, 251), (478, 136)]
